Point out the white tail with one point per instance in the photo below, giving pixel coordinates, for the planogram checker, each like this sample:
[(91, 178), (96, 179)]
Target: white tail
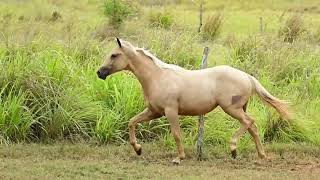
[(280, 105)]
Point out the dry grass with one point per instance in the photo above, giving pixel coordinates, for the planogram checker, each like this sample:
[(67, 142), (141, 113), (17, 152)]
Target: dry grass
[(83, 161), (293, 28), (212, 26)]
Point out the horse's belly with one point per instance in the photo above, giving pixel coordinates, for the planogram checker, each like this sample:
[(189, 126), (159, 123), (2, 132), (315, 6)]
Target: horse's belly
[(196, 105)]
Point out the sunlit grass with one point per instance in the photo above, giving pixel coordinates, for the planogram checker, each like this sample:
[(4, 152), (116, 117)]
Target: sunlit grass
[(49, 89)]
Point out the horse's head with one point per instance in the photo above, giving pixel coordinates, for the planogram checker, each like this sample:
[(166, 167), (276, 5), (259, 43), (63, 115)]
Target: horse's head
[(118, 60)]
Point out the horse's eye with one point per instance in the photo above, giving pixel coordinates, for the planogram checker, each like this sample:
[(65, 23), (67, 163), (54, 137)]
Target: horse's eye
[(114, 55)]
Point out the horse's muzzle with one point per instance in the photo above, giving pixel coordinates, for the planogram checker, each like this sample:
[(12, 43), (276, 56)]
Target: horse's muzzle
[(102, 74)]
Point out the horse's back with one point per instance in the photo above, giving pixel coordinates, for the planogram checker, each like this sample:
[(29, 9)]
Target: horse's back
[(225, 69), (217, 76), (224, 72)]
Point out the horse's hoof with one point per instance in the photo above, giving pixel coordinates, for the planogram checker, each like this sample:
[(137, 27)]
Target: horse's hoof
[(176, 161), (139, 151), (262, 156), (234, 154)]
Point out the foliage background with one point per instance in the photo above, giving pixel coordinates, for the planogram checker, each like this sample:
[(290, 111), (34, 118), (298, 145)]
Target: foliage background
[(51, 49)]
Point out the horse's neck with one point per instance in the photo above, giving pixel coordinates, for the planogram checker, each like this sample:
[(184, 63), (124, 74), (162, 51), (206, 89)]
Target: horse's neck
[(145, 70)]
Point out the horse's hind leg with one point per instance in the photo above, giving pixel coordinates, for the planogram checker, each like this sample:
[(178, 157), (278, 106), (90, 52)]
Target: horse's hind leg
[(254, 133), (246, 122), (253, 130)]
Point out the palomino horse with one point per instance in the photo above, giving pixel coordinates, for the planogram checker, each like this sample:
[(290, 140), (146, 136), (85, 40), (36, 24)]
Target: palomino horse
[(170, 91)]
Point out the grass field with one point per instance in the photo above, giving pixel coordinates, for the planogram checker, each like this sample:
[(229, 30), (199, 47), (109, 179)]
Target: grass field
[(85, 161), (50, 51)]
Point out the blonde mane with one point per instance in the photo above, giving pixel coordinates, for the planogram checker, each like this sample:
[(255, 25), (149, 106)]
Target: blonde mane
[(157, 61), (160, 63)]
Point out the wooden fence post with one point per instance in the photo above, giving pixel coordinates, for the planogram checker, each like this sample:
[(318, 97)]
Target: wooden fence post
[(200, 16), (201, 117), (261, 25)]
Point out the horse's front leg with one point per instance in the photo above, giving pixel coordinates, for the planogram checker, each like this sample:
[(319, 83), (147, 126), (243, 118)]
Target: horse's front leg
[(173, 118), (144, 116)]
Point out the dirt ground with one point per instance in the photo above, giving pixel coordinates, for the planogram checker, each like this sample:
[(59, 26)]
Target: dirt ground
[(87, 161)]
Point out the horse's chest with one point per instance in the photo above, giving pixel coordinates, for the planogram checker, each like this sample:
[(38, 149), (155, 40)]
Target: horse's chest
[(159, 95), (154, 104)]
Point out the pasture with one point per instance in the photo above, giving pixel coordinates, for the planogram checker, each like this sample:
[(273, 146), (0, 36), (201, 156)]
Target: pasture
[(57, 114), (89, 161)]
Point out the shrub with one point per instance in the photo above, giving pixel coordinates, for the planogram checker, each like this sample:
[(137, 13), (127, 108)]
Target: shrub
[(212, 27), (55, 16), (118, 11), (292, 28), (161, 19)]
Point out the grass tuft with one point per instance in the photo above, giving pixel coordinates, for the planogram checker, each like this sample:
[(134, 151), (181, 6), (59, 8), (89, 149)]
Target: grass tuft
[(292, 29), (212, 26), (161, 19)]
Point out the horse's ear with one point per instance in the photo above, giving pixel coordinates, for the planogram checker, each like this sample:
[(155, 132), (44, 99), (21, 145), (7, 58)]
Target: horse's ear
[(119, 43)]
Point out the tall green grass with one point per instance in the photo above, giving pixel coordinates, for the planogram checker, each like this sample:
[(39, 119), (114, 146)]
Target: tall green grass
[(49, 90), (15, 118)]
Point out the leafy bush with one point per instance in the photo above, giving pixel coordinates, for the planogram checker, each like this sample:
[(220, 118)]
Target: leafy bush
[(212, 26), (292, 28), (118, 11), (161, 19)]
